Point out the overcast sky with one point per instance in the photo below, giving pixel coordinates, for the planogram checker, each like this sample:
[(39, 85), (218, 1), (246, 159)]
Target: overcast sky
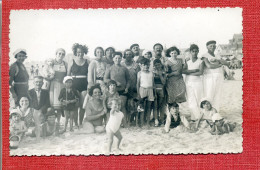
[(41, 32)]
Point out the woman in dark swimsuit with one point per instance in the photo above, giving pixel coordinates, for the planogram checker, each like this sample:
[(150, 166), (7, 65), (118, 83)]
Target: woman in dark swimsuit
[(78, 69)]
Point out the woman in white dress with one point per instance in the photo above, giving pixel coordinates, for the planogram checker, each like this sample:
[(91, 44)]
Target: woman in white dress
[(213, 75), (194, 84)]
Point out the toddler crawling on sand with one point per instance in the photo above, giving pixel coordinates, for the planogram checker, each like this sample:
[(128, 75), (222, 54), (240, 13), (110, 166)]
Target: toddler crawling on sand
[(113, 124)]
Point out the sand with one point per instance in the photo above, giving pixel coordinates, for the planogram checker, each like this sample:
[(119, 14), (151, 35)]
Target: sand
[(151, 141)]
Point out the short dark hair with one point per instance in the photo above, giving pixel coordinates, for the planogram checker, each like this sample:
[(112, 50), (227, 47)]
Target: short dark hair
[(116, 53), (92, 88), (111, 49), (172, 49), (127, 51), (111, 82), (157, 61), (157, 44), (145, 61), (174, 104), (97, 49), (194, 46), (76, 46), (202, 103)]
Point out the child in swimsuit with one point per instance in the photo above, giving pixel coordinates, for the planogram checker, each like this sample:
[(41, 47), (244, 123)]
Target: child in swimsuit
[(113, 125), (17, 129), (174, 119), (110, 94)]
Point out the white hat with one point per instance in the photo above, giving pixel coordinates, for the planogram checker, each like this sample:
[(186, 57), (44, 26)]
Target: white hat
[(146, 51), (18, 51), (15, 111), (67, 78), (216, 116)]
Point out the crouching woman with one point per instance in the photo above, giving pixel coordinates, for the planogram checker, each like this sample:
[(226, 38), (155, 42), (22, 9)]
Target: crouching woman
[(94, 112)]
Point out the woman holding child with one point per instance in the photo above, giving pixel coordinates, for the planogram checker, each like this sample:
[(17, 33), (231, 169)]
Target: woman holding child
[(78, 69), (175, 85), (95, 111), (60, 71)]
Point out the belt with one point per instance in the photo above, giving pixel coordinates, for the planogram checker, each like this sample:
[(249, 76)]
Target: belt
[(99, 78), (21, 83), (79, 76), (147, 87)]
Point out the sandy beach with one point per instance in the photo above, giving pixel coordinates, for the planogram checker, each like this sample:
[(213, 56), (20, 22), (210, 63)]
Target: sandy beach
[(152, 141)]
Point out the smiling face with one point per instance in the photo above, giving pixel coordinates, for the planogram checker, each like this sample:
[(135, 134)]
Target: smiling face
[(144, 67), (115, 105), (96, 93), (211, 48), (38, 82), (158, 50), (60, 55), (99, 54), (109, 52), (136, 50), (68, 84), (148, 55), (174, 111), (174, 54), (24, 102), (20, 57), (80, 53), (16, 117), (207, 106), (117, 59), (194, 53), (128, 56)]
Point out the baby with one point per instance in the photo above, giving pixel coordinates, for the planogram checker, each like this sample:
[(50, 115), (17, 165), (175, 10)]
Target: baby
[(113, 125), (220, 125), (17, 129), (48, 73)]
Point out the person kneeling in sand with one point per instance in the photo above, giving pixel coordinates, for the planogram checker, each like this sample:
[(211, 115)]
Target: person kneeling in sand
[(48, 128), (220, 125), (174, 118), (95, 112), (17, 129), (113, 125)]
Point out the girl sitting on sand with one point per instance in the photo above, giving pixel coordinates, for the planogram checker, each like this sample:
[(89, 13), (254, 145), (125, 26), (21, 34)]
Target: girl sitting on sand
[(48, 73), (207, 111), (113, 125), (109, 96), (69, 97), (220, 125), (17, 129), (174, 118)]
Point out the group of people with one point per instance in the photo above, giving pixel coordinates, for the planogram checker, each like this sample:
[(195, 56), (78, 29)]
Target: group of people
[(117, 89)]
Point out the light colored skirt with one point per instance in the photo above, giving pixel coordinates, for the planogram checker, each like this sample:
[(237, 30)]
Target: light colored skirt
[(55, 89)]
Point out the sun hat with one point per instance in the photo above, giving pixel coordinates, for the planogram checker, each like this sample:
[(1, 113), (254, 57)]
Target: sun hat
[(14, 111), (19, 50), (216, 116), (67, 78)]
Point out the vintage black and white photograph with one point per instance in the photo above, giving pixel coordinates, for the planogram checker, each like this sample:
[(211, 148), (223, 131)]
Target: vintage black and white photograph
[(126, 81)]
